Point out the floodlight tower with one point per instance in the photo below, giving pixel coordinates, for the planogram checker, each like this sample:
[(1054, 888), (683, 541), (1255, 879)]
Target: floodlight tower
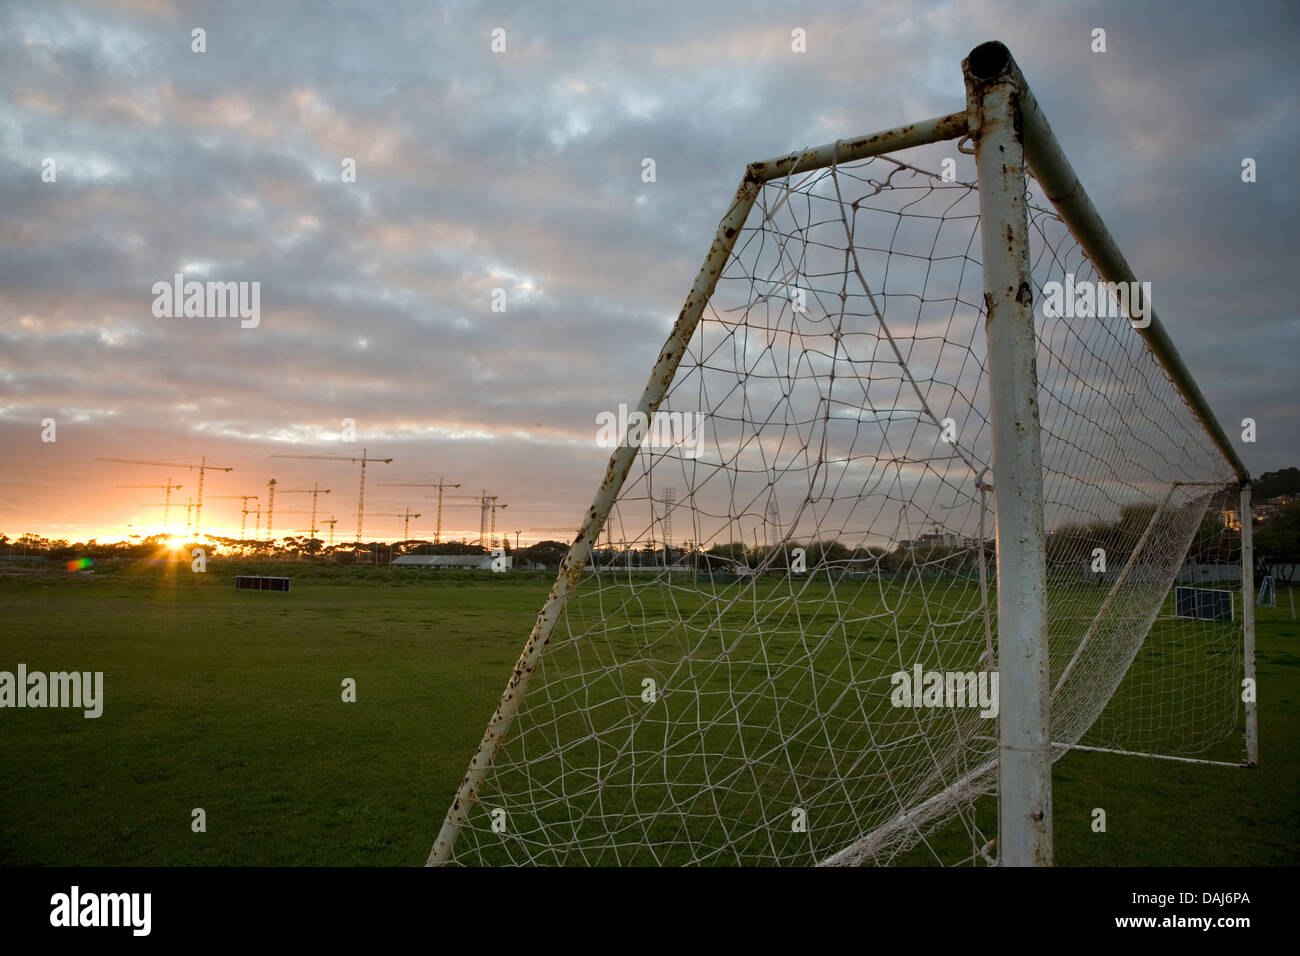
[(167, 500), (202, 467), (439, 484), (666, 522), (361, 492)]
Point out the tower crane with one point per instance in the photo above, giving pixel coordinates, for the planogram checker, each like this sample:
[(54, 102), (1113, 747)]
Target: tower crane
[(188, 506), (243, 511), (406, 531), (167, 500), (439, 484), (284, 511), (315, 491), (361, 493), (488, 505), (202, 468)]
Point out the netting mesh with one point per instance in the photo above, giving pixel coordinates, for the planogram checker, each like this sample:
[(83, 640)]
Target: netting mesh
[(723, 685)]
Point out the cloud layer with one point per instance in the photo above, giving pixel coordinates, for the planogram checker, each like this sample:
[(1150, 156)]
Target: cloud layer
[(521, 171)]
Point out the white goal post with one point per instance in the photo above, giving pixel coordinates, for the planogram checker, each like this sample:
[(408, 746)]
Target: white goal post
[(925, 496)]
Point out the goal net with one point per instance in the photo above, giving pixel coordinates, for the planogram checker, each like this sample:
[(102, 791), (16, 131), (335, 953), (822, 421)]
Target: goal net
[(784, 648)]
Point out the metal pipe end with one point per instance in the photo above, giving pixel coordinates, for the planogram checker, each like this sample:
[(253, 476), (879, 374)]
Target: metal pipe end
[(988, 61)]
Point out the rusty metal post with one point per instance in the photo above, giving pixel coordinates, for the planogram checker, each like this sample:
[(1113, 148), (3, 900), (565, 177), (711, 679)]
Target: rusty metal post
[(1248, 623), (1059, 183), (1024, 733)]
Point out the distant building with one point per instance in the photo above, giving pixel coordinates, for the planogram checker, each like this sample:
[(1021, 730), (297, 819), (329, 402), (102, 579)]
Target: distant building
[(1267, 509), (945, 539), (476, 562)]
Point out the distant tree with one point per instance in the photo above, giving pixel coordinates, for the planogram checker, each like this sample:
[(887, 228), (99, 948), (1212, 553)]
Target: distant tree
[(546, 553), (1271, 484), (1277, 543), (724, 557), (827, 552)]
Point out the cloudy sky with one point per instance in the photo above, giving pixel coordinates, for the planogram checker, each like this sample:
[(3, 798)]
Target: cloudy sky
[(521, 170)]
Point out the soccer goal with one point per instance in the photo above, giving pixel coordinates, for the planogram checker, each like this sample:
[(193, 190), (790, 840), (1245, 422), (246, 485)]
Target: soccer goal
[(1267, 596), (1209, 604), (947, 468)]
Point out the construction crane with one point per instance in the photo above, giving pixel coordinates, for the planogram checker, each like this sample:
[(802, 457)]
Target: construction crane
[(315, 494), (283, 512), (361, 493), (243, 512), (315, 491), (406, 530), (189, 507), (331, 521), (202, 467), (270, 504), (167, 500), (488, 506), (439, 484)]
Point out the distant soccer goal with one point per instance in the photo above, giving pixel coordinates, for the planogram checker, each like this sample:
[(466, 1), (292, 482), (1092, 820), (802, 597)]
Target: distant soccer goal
[(1204, 604), (1267, 597), (858, 606)]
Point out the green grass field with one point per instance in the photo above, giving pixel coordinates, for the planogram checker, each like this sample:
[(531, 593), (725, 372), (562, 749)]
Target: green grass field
[(232, 702)]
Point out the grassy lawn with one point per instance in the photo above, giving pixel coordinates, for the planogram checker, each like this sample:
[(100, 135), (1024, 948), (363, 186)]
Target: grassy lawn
[(232, 702)]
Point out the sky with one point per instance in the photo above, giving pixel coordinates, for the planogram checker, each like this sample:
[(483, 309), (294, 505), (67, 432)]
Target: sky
[(521, 170)]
